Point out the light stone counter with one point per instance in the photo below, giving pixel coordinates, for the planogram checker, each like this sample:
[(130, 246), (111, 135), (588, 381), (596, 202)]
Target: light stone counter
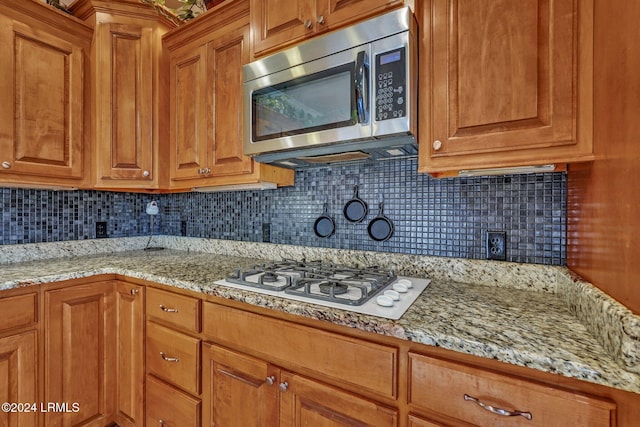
[(528, 315)]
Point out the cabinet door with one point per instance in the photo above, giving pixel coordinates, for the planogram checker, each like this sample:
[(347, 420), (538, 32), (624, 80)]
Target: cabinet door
[(124, 104), (79, 348), (18, 367), (338, 12), (238, 389), (280, 22), (41, 104), (504, 80), (227, 55), (130, 354), (188, 112), (309, 403)]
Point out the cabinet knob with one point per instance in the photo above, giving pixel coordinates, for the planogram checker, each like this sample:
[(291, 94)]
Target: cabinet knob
[(437, 145), (284, 386), (6, 165), (135, 292), (308, 24), (320, 19), (270, 380), (145, 174), (161, 423)]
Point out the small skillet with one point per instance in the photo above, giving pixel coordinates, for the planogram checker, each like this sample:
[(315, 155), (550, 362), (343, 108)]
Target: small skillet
[(380, 228), (356, 209), (324, 226)]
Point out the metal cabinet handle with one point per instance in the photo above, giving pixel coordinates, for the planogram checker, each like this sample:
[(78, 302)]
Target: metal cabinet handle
[(308, 24), (320, 20), (270, 380), (168, 309), (169, 359), (284, 386), (498, 411), (437, 145), (6, 165), (135, 292), (161, 423)]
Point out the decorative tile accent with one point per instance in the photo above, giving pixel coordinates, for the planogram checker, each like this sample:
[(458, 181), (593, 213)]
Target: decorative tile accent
[(438, 217)]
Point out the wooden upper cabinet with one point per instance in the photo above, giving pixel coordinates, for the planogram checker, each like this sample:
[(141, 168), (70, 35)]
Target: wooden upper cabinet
[(124, 103), (504, 83), (226, 55), (206, 124), (278, 23), (188, 106), (129, 104), (41, 98)]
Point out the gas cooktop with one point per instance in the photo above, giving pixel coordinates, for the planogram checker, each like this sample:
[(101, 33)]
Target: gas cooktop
[(367, 290)]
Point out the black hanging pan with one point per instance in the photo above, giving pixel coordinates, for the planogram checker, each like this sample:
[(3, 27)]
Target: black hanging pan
[(356, 209), (380, 228), (324, 226)]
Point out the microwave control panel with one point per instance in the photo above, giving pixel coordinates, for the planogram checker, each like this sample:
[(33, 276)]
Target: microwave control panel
[(390, 84)]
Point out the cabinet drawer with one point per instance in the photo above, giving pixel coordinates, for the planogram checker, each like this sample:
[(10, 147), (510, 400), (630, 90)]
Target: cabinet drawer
[(175, 309), (363, 364), (440, 386), (169, 407), (174, 357), (18, 311)]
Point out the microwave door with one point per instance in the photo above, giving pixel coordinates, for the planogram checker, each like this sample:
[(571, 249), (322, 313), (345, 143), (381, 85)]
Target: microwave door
[(317, 103)]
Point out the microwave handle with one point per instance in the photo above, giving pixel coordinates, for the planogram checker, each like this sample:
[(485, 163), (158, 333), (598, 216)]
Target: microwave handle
[(362, 87)]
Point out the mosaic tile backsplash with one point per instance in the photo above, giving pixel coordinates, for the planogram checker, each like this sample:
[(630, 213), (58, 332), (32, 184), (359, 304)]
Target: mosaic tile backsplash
[(439, 217)]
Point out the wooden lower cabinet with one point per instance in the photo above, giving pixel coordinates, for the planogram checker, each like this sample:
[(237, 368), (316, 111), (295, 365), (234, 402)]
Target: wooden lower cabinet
[(243, 390), (306, 402), (172, 359), (80, 349), (93, 362), (18, 377), (415, 421), (238, 389), (129, 400), (466, 394), (170, 407)]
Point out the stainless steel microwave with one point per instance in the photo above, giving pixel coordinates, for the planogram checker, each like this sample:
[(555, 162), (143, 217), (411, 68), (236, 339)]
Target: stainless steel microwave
[(347, 95)]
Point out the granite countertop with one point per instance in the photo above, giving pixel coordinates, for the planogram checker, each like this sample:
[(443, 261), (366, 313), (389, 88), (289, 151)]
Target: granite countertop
[(524, 327)]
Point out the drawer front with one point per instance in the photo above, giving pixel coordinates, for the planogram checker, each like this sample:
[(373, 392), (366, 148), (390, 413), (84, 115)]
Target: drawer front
[(174, 357), (361, 363), (169, 407), (18, 311), (174, 309), (440, 386)]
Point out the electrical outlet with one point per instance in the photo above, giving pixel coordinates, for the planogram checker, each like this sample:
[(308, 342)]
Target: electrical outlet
[(266, 232), (101, 230), (496, 242)]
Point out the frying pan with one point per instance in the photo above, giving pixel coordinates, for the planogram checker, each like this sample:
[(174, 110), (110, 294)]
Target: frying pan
[(380, 228), (324, 226), (356, 209)]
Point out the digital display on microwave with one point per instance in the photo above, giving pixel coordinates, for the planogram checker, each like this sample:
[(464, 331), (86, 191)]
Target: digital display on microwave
[(390, 57)]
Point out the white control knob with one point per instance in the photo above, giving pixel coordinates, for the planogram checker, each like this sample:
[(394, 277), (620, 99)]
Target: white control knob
[(437, 145), (145, 174)]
